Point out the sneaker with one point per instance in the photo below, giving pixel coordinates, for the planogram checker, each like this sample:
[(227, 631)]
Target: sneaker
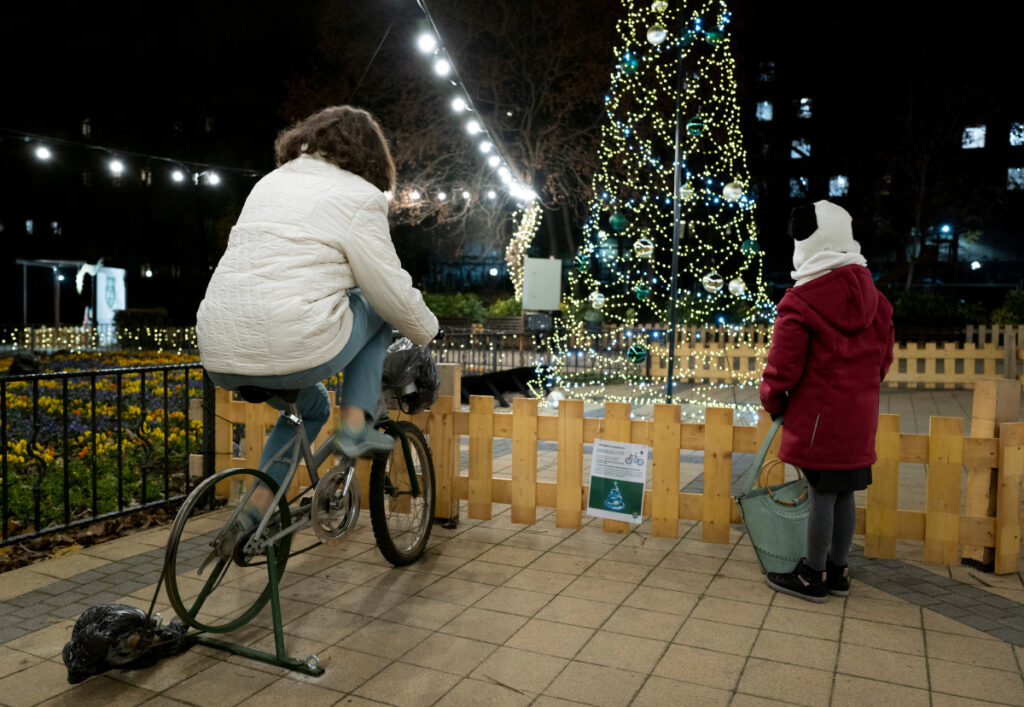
[(363, 442), (804, 582), (837, 578)]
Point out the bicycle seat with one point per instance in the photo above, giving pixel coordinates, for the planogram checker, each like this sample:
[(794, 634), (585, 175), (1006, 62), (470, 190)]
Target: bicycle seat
[(256, 394)]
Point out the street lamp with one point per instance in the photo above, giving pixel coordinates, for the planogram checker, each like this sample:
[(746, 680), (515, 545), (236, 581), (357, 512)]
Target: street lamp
[(43, 153)]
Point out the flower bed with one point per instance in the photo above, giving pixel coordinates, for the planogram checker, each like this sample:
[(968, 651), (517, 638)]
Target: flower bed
[(115, 455)]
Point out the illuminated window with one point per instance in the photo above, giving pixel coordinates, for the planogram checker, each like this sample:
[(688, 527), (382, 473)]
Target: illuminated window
[(767, 71), (838, 185), (973, 137), (1016, 134), (764, 110), (86, 128), (30, 226), (55, 228), (798, 187), (804, 108), (1015, 178), (800, 149)]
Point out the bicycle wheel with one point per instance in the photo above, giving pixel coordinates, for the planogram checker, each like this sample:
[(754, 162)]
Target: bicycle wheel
[(219, 591), (401, 521)]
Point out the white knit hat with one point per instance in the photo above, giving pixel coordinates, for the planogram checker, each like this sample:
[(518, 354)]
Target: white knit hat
[(821, 227)]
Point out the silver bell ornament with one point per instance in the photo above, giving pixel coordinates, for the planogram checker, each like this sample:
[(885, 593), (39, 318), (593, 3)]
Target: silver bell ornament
[(596, 299), (737, 287), (659, 6), (656, 33), (643, 248), (732, 191), (712, 282)]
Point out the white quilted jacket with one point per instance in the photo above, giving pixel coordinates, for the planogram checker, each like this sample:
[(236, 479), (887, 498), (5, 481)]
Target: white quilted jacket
[(278, 301)]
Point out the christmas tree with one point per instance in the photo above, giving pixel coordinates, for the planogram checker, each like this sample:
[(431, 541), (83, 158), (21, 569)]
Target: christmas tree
[(672, 93)]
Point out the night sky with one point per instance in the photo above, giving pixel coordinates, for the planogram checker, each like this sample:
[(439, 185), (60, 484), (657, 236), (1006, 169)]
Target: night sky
[(143, 61)]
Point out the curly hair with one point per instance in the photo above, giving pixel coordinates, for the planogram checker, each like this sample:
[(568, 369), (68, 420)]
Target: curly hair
[(346, 137)]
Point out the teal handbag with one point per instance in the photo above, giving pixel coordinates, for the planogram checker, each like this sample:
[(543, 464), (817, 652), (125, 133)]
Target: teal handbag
[(775, 516)]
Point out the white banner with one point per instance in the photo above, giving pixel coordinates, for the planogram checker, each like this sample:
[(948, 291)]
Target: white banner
[(110, 297)]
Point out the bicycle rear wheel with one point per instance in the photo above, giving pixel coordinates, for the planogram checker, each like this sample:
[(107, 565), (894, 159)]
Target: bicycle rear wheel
[(211, 591), (401, 521)]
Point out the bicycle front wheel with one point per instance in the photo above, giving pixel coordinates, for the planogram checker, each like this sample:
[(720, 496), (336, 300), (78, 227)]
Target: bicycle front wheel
[(211, 587), (401, 519)]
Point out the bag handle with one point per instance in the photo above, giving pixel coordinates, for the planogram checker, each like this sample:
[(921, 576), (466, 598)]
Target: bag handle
[(754, 472)]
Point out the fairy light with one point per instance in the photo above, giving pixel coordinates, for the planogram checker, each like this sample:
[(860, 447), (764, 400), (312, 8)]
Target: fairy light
[(623, 269), (526, 221)]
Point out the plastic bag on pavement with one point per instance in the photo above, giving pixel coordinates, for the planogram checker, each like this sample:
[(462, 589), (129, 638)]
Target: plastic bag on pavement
[(119, 636), (410, 378)]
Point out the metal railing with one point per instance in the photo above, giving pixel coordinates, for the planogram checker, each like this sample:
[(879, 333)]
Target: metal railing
[(78, 447)]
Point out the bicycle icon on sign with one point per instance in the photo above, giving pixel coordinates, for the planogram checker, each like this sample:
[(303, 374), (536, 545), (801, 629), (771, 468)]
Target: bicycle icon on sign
[(637, 459)]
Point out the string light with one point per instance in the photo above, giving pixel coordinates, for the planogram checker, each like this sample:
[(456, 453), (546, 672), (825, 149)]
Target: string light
[(622, 273)]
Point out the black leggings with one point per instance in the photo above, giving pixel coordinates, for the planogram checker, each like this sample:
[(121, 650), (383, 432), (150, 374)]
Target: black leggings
[(830, 525)]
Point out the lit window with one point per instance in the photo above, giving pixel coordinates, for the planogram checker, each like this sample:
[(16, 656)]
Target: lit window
[(838, 185), (208, 125), (764, 110), (30, 226), (804, 108), (798, 187), (1015, 178), (55, 228), (973, 137), (800, 149), (1016, 134), (767, 71), (86, 128)]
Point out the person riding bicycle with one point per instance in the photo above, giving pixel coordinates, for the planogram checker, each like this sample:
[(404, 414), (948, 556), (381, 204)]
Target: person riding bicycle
[(310, 285)]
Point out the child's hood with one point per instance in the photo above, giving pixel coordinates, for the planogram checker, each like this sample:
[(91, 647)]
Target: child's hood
[(846, 298)]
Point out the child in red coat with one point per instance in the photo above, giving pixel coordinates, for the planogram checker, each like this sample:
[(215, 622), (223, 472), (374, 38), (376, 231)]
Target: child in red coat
[(831, 348)]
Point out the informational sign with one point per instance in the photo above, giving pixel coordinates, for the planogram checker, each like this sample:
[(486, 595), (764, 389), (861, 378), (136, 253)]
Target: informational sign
[(110, 297), (618, 473), (542, 284)]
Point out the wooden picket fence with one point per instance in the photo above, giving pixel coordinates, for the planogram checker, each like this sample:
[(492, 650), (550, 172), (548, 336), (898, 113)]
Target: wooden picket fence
[(945, 450), (724, 356)]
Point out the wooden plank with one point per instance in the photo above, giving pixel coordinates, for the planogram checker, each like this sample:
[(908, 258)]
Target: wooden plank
[(717, 475), (994, 401), (1008, 522), (443, 448), (569, 497), (524, 460), (617, 428), (223, 441), (665, 472), (914, 449), (880, 526), (481, 455), (942, 499)]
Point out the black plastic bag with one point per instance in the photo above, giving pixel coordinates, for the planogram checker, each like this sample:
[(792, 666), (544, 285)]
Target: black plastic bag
[(410, 378), (119, 636)]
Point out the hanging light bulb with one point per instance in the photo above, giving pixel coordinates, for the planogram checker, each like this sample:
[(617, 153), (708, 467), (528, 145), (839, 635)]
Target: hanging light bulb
[(117, 167), (459, 104), (442, 67), (426, 42), (43, 153), (473, 127), (494, 160), (178, 176), (486, 146)]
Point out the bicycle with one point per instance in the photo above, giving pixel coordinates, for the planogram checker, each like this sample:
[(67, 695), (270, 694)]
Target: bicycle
[(236, 589)]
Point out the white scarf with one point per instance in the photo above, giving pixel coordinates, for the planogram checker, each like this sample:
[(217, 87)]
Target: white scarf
[(824, 262)]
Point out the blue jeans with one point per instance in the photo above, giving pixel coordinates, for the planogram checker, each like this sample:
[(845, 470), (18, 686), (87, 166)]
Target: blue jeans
[(361, 362)]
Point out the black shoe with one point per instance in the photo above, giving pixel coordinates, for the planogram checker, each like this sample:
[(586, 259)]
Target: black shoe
[(804, 582), (837, 578)]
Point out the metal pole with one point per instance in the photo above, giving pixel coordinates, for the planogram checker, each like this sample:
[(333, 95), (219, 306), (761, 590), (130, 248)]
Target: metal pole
[(678, 230)]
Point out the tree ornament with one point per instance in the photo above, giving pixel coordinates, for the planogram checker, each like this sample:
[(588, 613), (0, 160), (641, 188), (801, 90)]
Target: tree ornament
[(637, 353), (714, 36), (695, 126), (712, 282), (656, 33), (737, 287), (659, 6), (732, 191), (644, 248), (749, 247), (687, 192), (618, 221), (641, 291), (628, 65), (581, 262), (596, 299)]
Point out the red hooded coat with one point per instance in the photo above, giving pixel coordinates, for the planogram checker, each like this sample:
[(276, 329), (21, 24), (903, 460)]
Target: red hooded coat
[(831, 348)]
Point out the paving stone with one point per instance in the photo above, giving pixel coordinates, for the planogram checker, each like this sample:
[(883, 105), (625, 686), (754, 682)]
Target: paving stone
[(10, 633), (1010, 635), (980, 622)]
